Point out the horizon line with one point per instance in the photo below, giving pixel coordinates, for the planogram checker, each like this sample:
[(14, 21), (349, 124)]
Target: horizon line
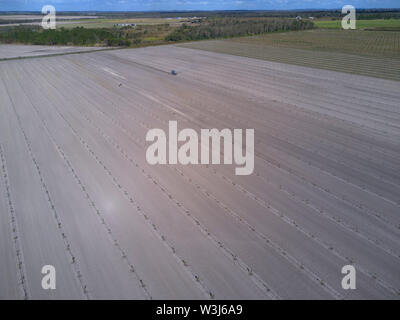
[(199, 10)]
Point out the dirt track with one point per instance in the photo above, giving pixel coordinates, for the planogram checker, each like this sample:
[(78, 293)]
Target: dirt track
[(76, 191), (16, 51)]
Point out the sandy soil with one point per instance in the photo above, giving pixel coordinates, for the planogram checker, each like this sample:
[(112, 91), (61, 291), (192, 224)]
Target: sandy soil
[(76, 191)]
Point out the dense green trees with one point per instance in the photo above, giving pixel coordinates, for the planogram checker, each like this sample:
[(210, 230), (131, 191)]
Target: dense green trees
[(112, 36), (231, 27), (76, 36)]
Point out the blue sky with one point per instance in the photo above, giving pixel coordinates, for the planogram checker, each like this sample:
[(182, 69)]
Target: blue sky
[(146, 5)]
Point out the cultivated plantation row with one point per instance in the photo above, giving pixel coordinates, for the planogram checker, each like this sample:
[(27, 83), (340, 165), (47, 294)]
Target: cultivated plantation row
[(77, 192), (370, 53)]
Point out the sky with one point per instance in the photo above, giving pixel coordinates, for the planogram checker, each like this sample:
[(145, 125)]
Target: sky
[(176, 5)]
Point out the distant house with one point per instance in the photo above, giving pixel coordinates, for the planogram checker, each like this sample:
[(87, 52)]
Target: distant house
[(298, 18), (125, 25), (311, 18)]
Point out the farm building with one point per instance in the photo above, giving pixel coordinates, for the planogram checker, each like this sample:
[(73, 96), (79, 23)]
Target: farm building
[(125, 25)]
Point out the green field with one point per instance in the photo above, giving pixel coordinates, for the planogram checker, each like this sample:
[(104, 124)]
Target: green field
[(371, 53), (358, 42), (337, 24)]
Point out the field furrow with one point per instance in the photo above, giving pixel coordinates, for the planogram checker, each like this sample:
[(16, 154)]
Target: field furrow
[(77, 192)]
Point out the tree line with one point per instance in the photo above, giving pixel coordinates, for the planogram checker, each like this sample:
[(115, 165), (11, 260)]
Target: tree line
[(232, 27), (76, 36)]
